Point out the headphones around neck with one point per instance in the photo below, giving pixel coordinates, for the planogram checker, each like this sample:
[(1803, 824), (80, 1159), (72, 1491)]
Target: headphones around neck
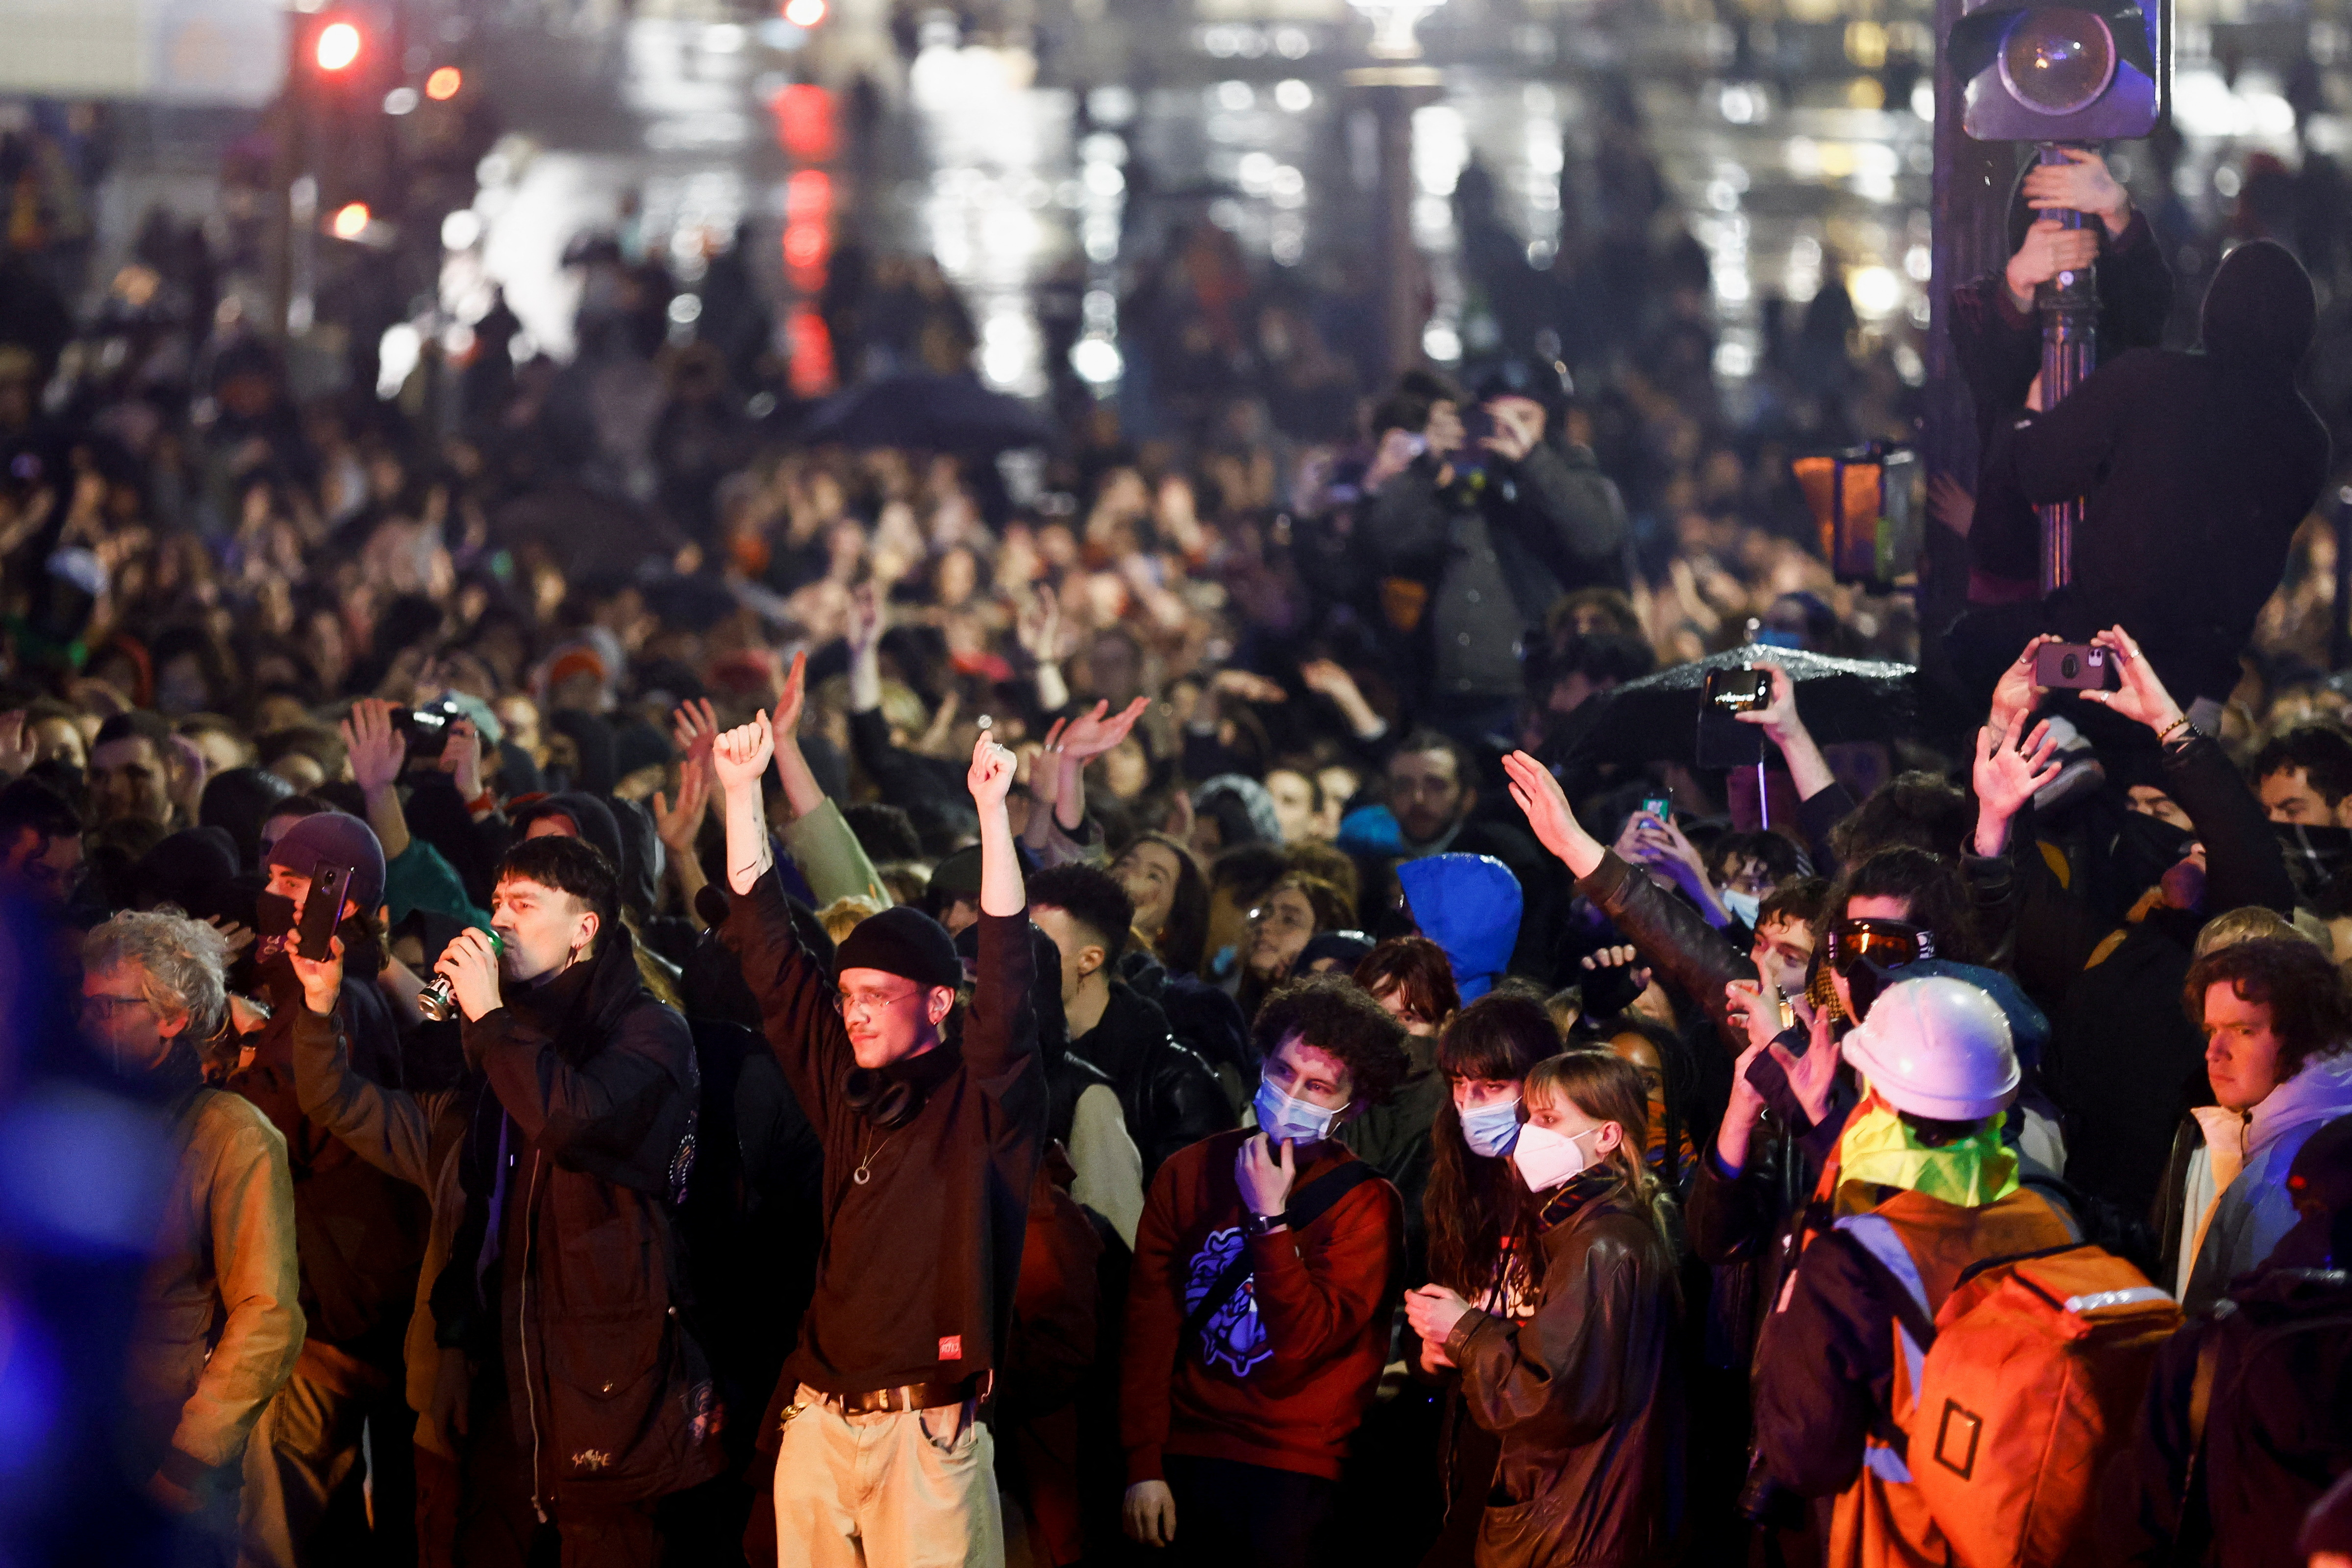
[(885, 1102)]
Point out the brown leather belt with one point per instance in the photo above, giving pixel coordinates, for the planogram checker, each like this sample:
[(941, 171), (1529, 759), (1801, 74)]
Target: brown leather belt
[(907, 1397)]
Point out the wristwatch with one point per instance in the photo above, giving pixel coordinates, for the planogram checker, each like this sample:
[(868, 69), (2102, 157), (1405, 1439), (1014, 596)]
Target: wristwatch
[(1266, 1224)]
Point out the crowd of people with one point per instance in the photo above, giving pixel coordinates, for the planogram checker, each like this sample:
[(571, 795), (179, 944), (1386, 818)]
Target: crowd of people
[(810, 1006)]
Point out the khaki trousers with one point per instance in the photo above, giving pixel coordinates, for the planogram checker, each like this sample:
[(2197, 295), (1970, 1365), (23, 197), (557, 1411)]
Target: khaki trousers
[(914, 1488)]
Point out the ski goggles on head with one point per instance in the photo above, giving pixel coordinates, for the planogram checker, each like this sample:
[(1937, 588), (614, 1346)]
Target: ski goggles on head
[(1888, 944)]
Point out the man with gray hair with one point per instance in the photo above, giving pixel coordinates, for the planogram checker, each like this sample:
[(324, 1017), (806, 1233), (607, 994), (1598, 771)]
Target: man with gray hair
[(219, 1327)]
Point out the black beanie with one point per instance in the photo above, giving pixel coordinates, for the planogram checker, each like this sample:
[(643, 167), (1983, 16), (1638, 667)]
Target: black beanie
[(905, 942)]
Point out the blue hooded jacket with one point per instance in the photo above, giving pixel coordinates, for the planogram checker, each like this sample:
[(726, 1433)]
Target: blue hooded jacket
[(1469, 905)]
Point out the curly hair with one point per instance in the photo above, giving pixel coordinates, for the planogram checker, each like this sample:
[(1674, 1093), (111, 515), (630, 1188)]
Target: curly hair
[(2310, 1012), (181, 963), (1332, 1014)]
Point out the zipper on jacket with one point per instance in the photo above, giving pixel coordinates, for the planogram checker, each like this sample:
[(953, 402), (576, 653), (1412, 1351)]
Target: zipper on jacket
[(522, 1326)]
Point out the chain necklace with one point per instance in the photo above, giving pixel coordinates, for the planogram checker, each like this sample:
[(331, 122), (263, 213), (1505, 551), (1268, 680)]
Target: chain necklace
[(865, 1171)]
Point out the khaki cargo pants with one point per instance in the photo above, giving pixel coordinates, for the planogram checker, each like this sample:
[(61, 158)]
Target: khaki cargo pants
[(909, 1489)]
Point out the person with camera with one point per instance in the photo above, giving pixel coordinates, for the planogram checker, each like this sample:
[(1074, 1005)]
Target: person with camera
[(363, 1232), (933, 1122), (558, 1393), (1479, 519)]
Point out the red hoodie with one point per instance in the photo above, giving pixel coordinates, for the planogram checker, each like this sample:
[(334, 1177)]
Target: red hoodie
[(1281, 1374)]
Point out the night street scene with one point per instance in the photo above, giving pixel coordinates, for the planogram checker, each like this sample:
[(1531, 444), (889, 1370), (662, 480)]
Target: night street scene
[(1175, 784)]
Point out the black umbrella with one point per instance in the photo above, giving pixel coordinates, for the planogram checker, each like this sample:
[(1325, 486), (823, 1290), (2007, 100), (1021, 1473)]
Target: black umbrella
[(931, 413), (1655, 720)]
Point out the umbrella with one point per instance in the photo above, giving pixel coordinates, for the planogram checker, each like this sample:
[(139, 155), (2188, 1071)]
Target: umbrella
[(932, 412), (1655, 720)]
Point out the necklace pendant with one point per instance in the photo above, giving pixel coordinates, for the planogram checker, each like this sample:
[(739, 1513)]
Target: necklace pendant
[(861, 1175)]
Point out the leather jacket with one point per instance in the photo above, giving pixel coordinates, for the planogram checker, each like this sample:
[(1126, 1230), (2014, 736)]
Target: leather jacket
[(1171, 1099), (1585, 1394)]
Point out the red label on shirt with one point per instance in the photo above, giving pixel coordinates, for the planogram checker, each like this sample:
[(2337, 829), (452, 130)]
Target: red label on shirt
[(951, 1347)]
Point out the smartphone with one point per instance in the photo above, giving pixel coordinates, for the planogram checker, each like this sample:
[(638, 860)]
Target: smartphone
[(1661, 806), (323, 911), (1738, 691), (2076, 666)]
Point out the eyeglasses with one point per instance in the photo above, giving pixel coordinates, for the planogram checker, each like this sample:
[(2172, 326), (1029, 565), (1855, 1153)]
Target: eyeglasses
[(1889, 944), (847, 1002)]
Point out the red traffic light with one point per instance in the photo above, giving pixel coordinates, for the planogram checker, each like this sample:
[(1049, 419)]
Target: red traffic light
[(338, 47), (443, 84)]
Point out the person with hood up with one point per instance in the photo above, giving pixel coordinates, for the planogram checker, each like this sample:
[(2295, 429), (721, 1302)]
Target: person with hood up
[(2195, 468), (2277, 1026), (1470, 906)]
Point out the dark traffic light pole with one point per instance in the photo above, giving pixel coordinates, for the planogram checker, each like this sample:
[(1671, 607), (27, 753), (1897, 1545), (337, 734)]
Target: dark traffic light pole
[(2069, 304)]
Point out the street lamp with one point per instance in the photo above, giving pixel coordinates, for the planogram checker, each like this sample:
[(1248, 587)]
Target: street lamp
[(1393, 22)]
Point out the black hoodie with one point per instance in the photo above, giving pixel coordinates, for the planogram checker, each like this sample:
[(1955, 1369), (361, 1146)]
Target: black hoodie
[(2197, 469)]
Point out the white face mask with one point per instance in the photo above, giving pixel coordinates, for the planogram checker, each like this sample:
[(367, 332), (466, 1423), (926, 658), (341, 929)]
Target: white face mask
[(1547, 1157), (1744, 908)]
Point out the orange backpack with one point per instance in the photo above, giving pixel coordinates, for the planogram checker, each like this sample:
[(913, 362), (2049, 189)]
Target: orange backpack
[(2013, 1399)]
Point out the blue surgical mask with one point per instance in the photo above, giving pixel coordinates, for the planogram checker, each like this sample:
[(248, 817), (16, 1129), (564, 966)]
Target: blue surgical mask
[(1286, 1120), (1744, 908), (1492, 1130)]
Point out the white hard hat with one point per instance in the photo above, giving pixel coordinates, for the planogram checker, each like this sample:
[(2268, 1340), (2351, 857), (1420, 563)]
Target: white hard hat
[(1937, 1047)]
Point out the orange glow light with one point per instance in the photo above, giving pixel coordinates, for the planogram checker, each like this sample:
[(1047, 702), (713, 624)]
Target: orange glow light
[(338, 45), (349, 222), (443, 84)]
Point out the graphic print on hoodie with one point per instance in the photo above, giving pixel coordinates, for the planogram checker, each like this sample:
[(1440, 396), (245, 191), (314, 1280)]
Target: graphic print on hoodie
[(1233, 1338)]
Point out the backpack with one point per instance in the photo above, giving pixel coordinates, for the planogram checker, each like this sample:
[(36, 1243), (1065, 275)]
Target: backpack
[(2009, 1403)]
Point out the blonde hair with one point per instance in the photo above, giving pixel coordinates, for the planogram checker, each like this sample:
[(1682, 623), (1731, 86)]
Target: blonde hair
[(2254, 923), (841, 917)]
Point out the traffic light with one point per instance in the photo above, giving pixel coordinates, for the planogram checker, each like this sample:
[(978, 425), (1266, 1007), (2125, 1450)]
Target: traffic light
[(337, 47), (2040, 72)]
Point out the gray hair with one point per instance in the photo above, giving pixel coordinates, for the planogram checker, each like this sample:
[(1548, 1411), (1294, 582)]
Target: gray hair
[(182, 964)]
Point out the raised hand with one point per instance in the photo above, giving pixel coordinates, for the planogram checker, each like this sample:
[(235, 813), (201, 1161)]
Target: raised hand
[(1091, 733), (461, 758), (2010, 771), (793, 698), (990, 777), (740, 755), (16, 745), (678, 826), (693, 726), (1038, 627), (322, 982), (376, 749), (2016, 694), (1778, 717), (1812, 1077), (1246, 684), (2140, 695), (864, 632), (1555, 826)]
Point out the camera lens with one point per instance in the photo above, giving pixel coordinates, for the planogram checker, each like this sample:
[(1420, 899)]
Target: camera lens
[(2070, 666)]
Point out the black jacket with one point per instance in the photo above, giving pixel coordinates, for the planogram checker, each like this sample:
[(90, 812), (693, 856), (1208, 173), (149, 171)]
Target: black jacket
[(587, 1133), (916, 1282), (2124, 1062), (2278, 1352), (2196, 471), (1493, 562), (1170, 1097)]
